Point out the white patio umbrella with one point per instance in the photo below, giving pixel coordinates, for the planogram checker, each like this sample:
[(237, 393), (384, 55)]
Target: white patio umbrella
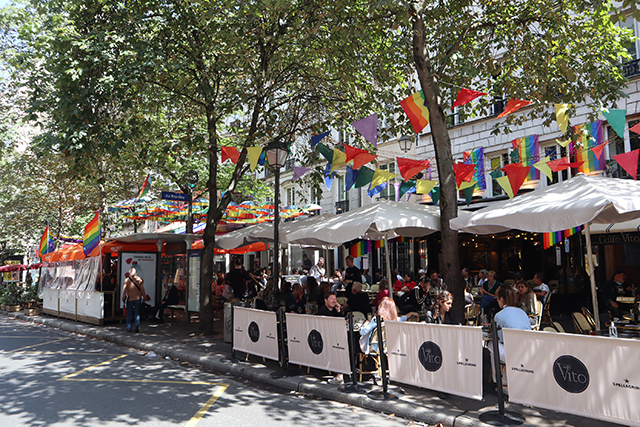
[(238, 238), (580, 200), (265, 234)]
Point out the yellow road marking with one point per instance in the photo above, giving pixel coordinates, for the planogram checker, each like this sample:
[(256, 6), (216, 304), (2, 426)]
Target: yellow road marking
[(36, 345), (198, 416), (66, 377), (122, 380)]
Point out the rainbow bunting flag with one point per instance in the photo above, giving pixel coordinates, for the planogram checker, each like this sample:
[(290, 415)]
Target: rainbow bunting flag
[(550, 239), (476, 157), (589, 136), (402, 239), (46, 243), (378, 244), (525, 151), (91, 235), (416, 110), (145, 187), (361, 248)]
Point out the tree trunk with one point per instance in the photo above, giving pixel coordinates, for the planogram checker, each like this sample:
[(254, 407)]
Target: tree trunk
[(451, 273)]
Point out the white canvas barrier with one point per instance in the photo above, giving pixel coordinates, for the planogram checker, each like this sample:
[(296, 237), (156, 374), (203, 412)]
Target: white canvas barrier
[(255, 332), (596, 377), (439, 357), (319, 342)]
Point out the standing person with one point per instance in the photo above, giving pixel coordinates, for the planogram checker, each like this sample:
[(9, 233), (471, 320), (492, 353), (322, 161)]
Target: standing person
[(133, 295), (442, 312), (237, 279), (352, 273), (318, 271), (306, 262)]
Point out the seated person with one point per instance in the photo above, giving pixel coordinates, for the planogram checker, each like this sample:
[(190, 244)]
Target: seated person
[(613, 289), (322, 290), (541, 289), (405, 285), (419, 299), (170, 298), (295, 301), (442, 313), (387, 311), (436, 281), (526, 299), (510, 316), (382, 292), (358, 300), (331, 307), (489, 290)]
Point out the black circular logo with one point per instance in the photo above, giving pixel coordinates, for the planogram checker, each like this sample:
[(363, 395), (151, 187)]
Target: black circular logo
[(315, 342), (571, 374), (430, 356), (254, 332)]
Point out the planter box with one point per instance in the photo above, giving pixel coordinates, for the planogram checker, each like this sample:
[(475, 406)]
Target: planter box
[(31, 311), (13, 308)]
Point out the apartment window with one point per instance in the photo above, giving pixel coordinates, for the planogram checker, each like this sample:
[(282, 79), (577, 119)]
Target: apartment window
[(342, 194), (632, 24), (389, 192), (552, 152), (616, 146), (497, 163), (291, 196)]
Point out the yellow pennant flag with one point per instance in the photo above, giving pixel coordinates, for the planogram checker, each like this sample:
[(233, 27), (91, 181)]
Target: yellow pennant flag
[(424, 186), (253, 153), (543, 167), (464, 185), (339, 159), (381, 176), (506, 185), (563, 143), (562, 116)]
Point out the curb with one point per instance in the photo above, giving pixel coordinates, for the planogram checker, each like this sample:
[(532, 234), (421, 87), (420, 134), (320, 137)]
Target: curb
[(429, 415)]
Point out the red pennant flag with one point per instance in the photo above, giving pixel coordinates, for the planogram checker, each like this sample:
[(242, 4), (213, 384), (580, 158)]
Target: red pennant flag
[(360, 157), (464, 172), (559, 164), (514, 105), (466, 95), (409, 168), (629, 162), (230, 153), (517, 174), (597, 150), (635, 128)]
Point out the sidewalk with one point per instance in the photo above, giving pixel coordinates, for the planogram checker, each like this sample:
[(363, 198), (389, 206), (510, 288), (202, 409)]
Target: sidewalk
[(177, 340)]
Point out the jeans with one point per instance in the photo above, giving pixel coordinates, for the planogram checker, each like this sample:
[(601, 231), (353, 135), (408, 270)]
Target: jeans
[(133, 313)]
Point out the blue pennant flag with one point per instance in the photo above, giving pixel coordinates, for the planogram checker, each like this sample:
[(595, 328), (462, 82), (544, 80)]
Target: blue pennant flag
[(373, 191), (317, 138), (350, 178)]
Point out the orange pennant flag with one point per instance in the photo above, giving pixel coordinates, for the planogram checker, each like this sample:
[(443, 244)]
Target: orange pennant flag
[(409, 168), (464, 172), (360, 157), (230, 153), (514, 105)]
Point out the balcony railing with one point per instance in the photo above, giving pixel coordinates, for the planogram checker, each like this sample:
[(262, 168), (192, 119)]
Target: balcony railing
[(631, 68), (342, 206)]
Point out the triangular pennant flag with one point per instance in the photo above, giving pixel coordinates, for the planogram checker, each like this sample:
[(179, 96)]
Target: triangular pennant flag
[(466, 95), (326, 152), (339, 159), (365, 175), (562, 116), (298, 172), (424, 186), (416, 110), (559, 164), (514, 105), (517, 175), (328, 180), (543, 167), (375, 190), (146, 187), (635, 128), (368, 127), (503, 182), (350, 178), (468, 193), (315, 139), (616, 119), (597, 150), (464, 172), (629, 162), (381, 176), (495, 174), (464, 185), (253, 153), (408, 168), (230, 153), (405, 187), (563, 143), (263, 157), (359, 157), (435, 195)]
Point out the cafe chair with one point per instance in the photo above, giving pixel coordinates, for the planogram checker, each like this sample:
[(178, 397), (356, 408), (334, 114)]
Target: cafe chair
[(472, 314), (536, 318), (546, 311), (581, 323), (550, 329), (375, 355), (589, 317), (358, 317), (375, 288), (558, 327)]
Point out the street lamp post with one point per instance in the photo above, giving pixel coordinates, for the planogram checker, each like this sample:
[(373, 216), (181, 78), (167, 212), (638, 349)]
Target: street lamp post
[(405, 143), (277, 153)]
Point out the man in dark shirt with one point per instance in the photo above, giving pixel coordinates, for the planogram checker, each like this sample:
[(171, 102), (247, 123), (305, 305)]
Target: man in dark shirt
[(295, 301), (237, 279), (170, 298), (615, 288), (419, 299), (352, 273), (331, 306), (358, 300), (306, 262)]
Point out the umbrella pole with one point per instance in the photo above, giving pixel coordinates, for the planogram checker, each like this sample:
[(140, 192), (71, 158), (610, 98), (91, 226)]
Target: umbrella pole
[(388, 263), (592, 278)]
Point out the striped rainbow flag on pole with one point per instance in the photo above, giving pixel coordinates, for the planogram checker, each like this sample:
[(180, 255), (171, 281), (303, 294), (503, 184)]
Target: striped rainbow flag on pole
[(526, 151), (550, 239), (91, 235), (590, 135), (46, 243)]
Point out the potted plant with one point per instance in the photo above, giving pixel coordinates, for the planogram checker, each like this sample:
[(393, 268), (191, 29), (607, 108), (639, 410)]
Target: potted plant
[(14, 292), (30, 299)]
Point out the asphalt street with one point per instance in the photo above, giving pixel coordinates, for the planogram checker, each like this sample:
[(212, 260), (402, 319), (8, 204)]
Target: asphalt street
[(53, 378)]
